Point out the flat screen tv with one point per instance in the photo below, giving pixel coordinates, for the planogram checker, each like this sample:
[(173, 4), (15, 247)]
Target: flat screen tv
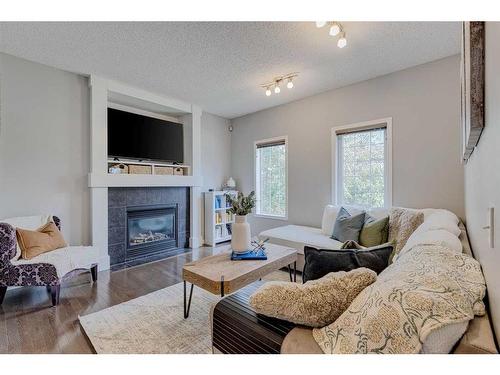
[(140, 137)]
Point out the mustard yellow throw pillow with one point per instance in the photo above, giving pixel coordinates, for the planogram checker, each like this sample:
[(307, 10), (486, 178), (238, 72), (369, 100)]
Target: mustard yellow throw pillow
[(36, 242), (316, 303)]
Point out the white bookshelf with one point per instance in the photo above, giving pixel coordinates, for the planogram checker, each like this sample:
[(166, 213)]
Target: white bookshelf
[(218, 219)]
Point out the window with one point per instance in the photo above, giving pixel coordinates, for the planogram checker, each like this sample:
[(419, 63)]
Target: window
[(363, 171), (271, 177)]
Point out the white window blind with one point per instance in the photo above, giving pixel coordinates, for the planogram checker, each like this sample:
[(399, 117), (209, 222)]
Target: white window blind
[(362, 167), (271, 178)]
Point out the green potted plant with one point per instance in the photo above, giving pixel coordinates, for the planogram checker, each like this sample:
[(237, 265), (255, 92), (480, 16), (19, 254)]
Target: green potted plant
[(241, 206)]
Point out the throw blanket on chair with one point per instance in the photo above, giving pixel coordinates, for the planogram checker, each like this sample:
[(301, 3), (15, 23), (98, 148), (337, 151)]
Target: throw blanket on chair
[(427, 288)]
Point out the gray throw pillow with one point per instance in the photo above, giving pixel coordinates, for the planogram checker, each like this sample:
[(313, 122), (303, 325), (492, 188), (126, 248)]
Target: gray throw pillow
[(347, 227)]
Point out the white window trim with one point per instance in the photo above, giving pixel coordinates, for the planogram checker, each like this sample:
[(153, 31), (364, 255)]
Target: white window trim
[(388, 155), (281, 138)]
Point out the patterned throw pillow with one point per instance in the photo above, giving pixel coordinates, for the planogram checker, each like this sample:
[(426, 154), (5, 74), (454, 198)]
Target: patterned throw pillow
[(375, 232), (402, 223), (315, 303), (347, 227)]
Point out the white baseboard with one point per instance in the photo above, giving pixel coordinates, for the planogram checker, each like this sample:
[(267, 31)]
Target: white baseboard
[(195, 242), (104, 263)]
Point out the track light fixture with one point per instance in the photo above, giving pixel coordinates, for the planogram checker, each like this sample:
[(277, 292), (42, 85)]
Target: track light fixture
[(276, 83), (336, 28)]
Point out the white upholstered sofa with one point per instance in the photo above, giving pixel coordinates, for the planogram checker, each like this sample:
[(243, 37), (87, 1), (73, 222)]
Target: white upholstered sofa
[(440, 227), (298, 236)]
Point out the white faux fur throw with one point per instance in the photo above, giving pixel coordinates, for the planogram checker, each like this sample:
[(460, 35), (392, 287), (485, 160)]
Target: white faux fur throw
[(315, 303)]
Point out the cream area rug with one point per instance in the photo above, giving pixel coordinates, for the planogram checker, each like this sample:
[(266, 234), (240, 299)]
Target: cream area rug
[(154, 323)]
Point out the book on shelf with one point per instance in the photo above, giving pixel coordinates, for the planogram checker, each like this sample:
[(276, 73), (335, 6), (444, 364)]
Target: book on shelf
[(218, 232), (218, 202), (218, 218)]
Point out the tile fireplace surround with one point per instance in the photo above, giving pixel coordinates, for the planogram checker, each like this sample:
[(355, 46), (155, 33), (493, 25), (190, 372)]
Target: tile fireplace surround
[(123, 200)]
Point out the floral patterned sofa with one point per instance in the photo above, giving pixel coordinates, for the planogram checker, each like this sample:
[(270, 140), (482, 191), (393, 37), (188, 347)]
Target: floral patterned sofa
[(48, 269)]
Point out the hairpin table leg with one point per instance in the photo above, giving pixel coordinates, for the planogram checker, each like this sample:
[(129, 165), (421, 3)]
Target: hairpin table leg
[(188, 306), (290, 273), (222, 286), (295, 271)]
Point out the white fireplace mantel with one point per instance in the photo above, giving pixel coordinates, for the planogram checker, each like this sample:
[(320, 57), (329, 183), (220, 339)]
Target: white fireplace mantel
[(105, 92), (97, 180)]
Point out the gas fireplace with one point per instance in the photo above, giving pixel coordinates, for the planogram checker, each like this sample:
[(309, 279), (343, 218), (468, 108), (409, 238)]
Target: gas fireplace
[(151, 229), (146, 224)]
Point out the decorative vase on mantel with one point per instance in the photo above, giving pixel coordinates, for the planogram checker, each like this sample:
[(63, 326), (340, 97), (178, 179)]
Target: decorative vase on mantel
[(241, 237)]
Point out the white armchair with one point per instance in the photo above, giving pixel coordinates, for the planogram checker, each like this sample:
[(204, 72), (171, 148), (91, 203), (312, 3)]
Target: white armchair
[(47, 269)]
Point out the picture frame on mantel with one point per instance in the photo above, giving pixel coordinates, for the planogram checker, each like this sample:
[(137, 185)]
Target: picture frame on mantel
[(472, 86)]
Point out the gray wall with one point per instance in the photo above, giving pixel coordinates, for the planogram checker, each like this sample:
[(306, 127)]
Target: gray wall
[(482, 177), (216, 150), (44, 145), (45, 140), (424, 103), (215, 154)]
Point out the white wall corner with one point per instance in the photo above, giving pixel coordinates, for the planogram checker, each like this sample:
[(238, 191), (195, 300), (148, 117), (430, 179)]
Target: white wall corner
[(196, 196), (195, 242), (99, 215), (104, 262)]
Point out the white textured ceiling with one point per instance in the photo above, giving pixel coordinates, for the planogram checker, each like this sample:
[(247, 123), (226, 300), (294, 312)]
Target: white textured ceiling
[(220, 65)]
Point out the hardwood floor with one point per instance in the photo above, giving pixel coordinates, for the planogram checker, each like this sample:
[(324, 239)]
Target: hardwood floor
[(28, 323)]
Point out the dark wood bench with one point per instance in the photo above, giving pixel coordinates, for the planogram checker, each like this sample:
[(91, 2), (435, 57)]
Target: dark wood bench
[(237, 329)]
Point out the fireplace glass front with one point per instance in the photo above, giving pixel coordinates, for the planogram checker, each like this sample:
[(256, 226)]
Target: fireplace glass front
[(151, 229)]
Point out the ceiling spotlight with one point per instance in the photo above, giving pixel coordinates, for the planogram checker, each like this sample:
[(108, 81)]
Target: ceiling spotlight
[(335, 29), (342, 42), (268, 92), (277, 89), (289, 83), (320, 24)]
